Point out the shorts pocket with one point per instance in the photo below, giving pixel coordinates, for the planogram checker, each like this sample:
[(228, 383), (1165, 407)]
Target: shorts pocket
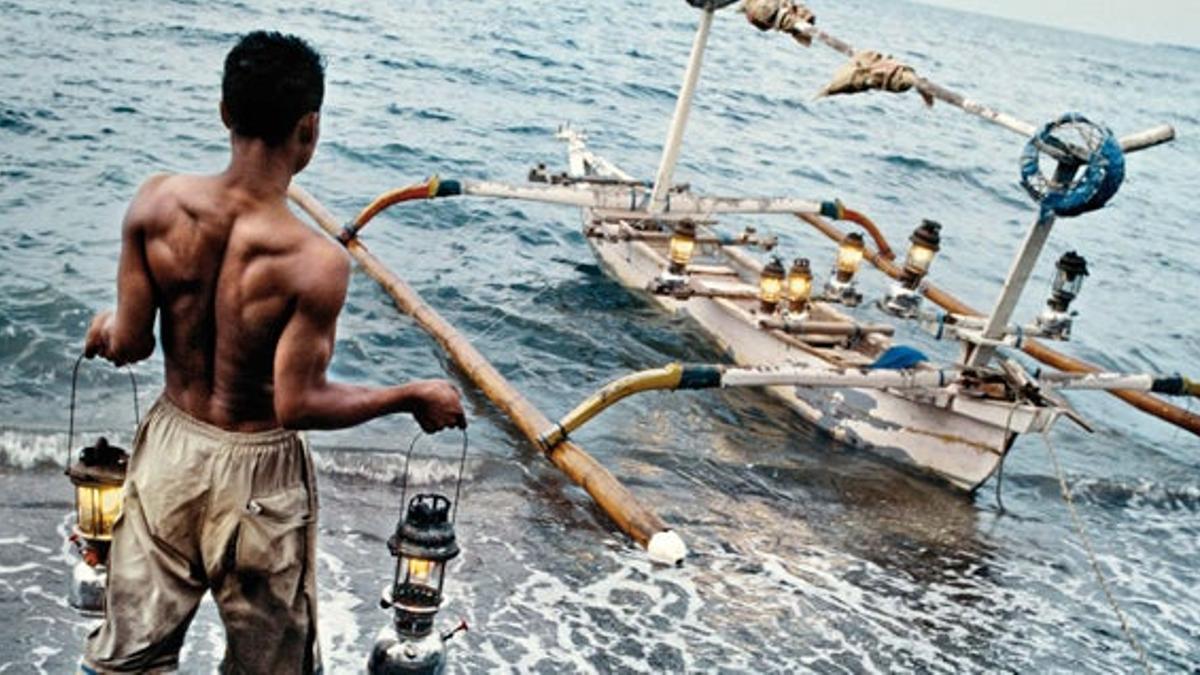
[(272, 534)]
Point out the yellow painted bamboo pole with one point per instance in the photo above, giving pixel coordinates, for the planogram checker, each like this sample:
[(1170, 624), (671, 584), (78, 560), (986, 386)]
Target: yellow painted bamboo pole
[(1140, 400), (646, 528)]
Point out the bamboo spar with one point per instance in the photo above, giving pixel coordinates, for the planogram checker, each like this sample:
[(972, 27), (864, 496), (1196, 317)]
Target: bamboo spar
[(647, 529), (1142, 401)]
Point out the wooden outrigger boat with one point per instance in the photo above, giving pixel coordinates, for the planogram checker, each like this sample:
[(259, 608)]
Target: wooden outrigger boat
[(956, 422)]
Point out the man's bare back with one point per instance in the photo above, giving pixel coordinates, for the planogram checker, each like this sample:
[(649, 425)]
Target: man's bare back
[(249, 297), (227, 271)]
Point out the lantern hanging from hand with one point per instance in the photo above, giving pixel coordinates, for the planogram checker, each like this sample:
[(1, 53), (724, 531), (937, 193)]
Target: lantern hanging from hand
[(97, 475), (424, 541)]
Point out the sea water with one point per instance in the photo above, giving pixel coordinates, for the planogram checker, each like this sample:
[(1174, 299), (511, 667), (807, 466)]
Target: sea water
[(805, 555)]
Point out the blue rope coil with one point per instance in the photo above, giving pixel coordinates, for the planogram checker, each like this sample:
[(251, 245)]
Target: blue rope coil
[(1102, 175)]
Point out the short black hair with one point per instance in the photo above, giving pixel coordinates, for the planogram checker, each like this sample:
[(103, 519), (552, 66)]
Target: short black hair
[(271, 80)]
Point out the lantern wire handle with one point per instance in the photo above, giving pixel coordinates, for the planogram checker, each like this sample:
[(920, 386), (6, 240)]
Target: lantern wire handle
[(462, 464), (404, 482), (137, 414)]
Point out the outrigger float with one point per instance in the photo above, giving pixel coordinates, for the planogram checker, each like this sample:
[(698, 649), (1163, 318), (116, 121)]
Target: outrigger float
[(956, 421)]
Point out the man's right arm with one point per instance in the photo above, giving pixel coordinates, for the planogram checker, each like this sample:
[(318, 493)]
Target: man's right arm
[(306, 399)]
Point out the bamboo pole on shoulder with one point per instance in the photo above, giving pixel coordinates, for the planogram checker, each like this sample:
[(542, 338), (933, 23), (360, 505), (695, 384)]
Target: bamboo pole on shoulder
[(642, 525), (1142, 401)]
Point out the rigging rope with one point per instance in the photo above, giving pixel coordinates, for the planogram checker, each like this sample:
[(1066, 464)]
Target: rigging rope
[(1091, 554)]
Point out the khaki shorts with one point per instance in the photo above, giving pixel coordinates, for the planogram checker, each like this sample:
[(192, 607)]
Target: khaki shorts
[(208, 509)]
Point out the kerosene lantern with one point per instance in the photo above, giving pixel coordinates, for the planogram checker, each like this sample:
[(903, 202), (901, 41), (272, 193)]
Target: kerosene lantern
[(904, 297), (799, 286), (770, 286), (97, 473), (840, 286), (682, 246), (1055, 321), (424, 541)]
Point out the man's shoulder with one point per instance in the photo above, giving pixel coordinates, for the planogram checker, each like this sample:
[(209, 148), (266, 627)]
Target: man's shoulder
[(325, 276), (326, 256), (161, 195), (324, 262)]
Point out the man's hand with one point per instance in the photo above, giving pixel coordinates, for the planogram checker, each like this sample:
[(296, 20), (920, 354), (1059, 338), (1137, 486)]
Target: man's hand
[(438, 406), (98, 340)]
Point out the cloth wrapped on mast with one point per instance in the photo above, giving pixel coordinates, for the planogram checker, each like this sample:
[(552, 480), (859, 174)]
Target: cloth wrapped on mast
[(871, 70), (786, 16)]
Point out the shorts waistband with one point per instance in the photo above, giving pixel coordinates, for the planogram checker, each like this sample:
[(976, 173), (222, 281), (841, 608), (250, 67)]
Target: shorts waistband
[(271, 437)]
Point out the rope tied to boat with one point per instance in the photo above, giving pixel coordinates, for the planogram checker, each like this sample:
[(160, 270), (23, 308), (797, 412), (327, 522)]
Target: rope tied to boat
[(1069, 500), (868, 70), (785, 16)]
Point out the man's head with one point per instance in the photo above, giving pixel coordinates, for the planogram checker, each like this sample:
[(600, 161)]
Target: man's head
[(272, 91)]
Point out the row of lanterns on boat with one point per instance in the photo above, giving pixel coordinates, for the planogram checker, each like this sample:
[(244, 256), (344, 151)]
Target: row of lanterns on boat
[(792, 288)]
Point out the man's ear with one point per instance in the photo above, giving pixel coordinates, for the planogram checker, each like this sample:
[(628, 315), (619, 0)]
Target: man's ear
[(308, 128), (225, 116)]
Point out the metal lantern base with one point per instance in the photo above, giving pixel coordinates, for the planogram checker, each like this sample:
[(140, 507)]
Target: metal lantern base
[(901, 302), (86, 593), (842, 292), (1054, 324), (396, 653)]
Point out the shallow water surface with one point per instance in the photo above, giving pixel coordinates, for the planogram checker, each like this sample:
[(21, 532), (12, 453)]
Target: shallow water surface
[(805, 555)]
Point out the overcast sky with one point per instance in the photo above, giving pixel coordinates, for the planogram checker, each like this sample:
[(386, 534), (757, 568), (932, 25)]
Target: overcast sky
[(1172, 21)]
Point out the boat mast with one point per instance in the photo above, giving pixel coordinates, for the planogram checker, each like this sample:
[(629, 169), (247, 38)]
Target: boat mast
[(977, 355), (683, 106)]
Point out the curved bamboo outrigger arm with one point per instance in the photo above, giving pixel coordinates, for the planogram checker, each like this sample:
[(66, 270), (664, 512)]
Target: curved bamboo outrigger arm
[(676, 376), (661, 543), (1141, 400), (632, 197)]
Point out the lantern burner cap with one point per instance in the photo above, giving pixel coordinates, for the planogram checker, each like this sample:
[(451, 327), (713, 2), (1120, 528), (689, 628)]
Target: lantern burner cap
[(928, 233), (774, 268), (103, 454), (426, 531), (100, 463), (1073, 264), (428, 510)]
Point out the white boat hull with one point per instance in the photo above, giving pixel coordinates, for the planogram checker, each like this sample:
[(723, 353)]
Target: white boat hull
[(959, 440)]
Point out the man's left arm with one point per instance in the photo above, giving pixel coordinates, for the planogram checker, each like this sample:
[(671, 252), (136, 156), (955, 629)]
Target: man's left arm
[(127, 335)]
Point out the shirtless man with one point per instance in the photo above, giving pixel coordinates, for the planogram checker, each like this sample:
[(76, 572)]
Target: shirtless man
[(221, 494)]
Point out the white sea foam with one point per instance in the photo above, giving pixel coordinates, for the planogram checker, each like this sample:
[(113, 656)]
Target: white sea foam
[(29, 448)]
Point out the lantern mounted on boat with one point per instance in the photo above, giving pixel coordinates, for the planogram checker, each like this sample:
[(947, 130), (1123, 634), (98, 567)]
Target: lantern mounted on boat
[(840, 286), (423, 543), (1055, 321), (770, 286), (903, 298), (799, 285), (926, 241), (97, 473), (683, 245)]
